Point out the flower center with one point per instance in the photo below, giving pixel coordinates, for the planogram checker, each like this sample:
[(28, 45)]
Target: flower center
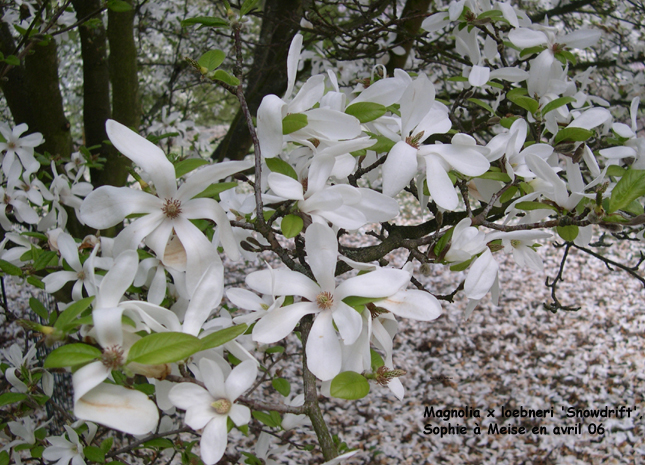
[(516, 243), (112, 357), (11, 145), (384, 375), (325, 300), (81, 275), (414, 141), (222, 406), (171, 208)]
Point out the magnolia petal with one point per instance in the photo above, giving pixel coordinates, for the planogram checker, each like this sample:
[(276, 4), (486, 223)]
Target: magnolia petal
[(119, 408), (108, 205), (135, 232), (591, 118), (323, 349), (509, 13), (245, 299), (439, 184), (436, 22), (481, 276), (399, 168), (204, 177), (333, 125), (107, 324), (240, 414), (540, 73), (213, 377), (278, 323), (212, 210), (241, 379), (397, 388), (383, 282), (145, 154), (618, 152), (623, 130), (69, 251), (282, 282), (117, 280), (319, 171), (509, 74), (56, 281), (582, 38), (293, 57), (187, 395), (436, 121), (348, 321), (523, 37), (415, 304), (208, 294), (415, 102), (345, 217), (88, 377), (269, 123), (214, 439), (386, 91), (479, 75), (285, 186), (321, 247), (309, 94), (377, 207)]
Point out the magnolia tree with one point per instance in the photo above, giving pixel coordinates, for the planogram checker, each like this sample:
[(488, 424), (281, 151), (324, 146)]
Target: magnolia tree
[(505, 151)]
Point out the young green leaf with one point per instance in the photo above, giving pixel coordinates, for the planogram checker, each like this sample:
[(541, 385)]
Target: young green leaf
[(214, 190), (630, 187), (72, 312), (294, 122), (282, 386), (528, 206), (557, 103), (482, 104), (10, 268), (159, 348), (223, 76), (568, 233), (573, 134), (186, 166), (349, 385), (71, 355), (12, 397), (247, 6), (38, 308), (205, 21), (278, 165), (212, 59), (366, 111), (222, 336), (291, 226)]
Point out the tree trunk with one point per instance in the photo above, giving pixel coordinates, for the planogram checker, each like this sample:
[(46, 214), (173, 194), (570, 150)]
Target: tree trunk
[(268, 74), (406, 32)]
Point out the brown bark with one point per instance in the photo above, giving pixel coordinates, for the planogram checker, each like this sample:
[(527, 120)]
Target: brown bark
[(415, 10), (268, 74)]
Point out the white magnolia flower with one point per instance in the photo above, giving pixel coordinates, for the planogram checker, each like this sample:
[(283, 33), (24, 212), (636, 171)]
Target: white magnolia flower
[(170, 209), (21, 147), (63, 450), (324, 299), (520, 243), (211, 407)]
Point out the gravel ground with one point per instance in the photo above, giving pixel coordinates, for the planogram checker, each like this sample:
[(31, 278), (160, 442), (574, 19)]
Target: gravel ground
[(516, 355)]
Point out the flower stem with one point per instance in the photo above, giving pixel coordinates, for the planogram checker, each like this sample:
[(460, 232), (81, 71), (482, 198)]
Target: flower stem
[(311, 398)]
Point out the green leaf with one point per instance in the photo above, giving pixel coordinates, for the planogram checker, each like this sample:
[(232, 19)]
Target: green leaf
[(443, 242), (282, 386), (46, 259), (630, 187), (508, 121), (457, 79), (95, 454), (531, 50), (528, 206), (635, 208), (186, 166), (247, 6), (568, 233), (223, 76), (37, 452), (573, 134), (366, 111), (382, 145), (10, 268), (106, 445), (12, 397), (357, 303), (12, 60), (294, 122), (214, 190), (222, 336), (265, 418), (508, 195), (275, 350), (349, 385), (461, 266), (118, 5), (490, 14), (205, 21), (72, 354), (557, 103), (616, 171), (291, 226), (566, 56), (212, 59), (278, 165), (482, 104), (38, 308), (159, 443), (36, 282), (159, 348), (496, 176), (527, 103), (376, 360), (72, 312), (517, 92), (4, 457)]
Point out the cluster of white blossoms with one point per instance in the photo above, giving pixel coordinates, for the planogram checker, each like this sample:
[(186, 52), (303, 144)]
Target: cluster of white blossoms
[(148, 301)]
